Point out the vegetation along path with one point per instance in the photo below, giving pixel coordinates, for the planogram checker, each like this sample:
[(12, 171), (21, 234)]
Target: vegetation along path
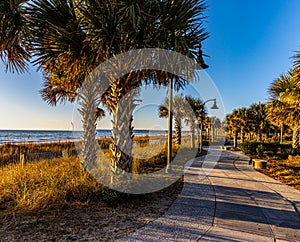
[(233, 202)]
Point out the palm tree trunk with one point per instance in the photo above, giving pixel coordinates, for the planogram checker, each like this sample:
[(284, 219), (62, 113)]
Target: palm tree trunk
[(192, 129), (201, 138), (122, 135), (296, 139), (88, 103), (242, 134), (260, 135), (281, 133), (178, 130), (198, 138), (235, 139)]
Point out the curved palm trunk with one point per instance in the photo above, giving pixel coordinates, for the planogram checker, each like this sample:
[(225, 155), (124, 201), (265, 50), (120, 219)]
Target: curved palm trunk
[(178, 130), (122, 135)]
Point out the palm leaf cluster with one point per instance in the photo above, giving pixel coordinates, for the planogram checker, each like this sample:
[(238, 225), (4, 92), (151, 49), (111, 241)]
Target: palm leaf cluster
[(14, 35)]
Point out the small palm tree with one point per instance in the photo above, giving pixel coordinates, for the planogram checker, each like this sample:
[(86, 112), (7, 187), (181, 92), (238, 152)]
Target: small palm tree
[(243, 117), (195, 117), (258, 114), (178, 112), (232, 125)]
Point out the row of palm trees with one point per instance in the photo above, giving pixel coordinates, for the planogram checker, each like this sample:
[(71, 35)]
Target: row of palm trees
[(185, 109), (281, 111), (251, 122), (67, 39), (192, 112)]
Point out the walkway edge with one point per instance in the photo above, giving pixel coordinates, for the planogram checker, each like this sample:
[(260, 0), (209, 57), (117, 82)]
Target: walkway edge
[(287, 192)]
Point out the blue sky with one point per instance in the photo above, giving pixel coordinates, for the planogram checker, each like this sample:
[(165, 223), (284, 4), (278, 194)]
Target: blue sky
[(250, 44)]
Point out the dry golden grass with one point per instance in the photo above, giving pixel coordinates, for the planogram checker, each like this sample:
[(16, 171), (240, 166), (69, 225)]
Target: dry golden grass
[(45, 183), (63, 181), (286, 171)]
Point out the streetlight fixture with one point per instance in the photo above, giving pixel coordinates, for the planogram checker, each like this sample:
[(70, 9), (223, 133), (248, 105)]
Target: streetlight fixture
[(214, 106)]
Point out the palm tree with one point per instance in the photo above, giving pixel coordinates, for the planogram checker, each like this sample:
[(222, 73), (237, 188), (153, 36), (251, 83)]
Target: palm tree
[(70, 38), (258, 115), (195, 115), (243, 117), (216, 126), (283, 105), (296, 69), (169, 25), (178, 112), (232, 125)]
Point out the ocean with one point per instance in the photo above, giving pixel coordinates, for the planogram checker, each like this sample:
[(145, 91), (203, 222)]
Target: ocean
[(28, 136)]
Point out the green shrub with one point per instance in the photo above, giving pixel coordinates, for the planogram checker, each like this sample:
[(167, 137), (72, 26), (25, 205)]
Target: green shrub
[(268, 153), (111, 197), (260, 150), (249, 147)]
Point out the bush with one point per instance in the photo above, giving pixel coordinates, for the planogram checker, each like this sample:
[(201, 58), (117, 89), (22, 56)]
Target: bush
[(111, 197), (249, 147), (259, 150), (268, 153)]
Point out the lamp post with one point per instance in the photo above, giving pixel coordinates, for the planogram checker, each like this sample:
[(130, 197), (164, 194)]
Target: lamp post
[(214, 106), (170, 117), (202, 65)]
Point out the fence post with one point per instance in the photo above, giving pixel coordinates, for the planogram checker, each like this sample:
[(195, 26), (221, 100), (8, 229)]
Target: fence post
[(22, 159), (66, 152)]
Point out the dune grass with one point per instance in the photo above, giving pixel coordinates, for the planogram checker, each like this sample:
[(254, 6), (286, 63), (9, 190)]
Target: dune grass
[(46, 183), (63, 181)]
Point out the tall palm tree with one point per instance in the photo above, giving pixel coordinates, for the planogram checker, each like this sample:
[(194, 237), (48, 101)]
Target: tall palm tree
[(173, 25), (284, 103)]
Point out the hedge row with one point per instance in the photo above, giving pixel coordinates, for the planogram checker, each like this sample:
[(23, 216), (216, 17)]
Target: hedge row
[(251, 147)]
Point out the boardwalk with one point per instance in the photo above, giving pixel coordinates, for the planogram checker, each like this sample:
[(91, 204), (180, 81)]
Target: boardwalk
[(227, 200)]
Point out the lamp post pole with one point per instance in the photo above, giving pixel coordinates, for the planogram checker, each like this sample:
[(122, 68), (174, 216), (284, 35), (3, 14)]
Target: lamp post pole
[(214, 106), (169, 159)]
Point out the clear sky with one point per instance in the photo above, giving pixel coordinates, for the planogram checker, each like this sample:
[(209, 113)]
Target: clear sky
[(250, 44)]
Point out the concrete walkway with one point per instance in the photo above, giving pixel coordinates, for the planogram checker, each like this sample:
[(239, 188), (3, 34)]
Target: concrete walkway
[(227, 200)]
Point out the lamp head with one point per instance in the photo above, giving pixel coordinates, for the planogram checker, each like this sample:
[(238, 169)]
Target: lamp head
[(214, 106), (200, 60)]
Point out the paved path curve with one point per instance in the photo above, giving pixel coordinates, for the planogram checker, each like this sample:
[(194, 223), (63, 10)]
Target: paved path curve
[(225, 199)]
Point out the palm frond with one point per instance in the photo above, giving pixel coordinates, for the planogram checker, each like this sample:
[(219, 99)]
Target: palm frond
[(14, 36)]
